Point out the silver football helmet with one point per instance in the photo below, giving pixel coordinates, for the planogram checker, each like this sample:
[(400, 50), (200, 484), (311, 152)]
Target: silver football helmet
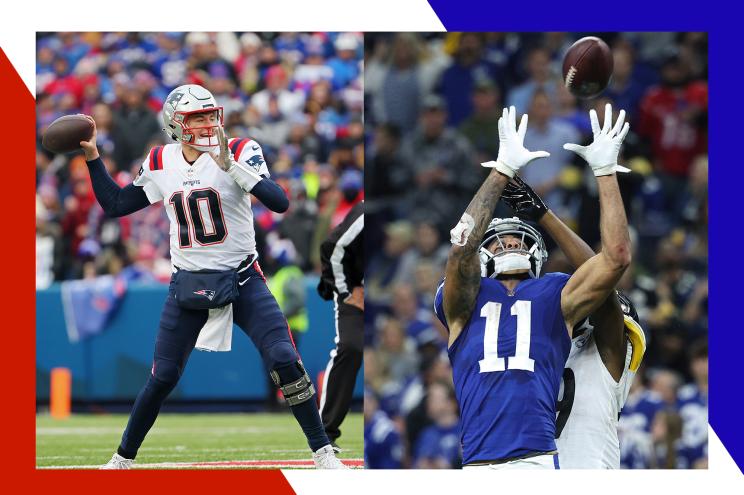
[(183, 102), (530, 256)]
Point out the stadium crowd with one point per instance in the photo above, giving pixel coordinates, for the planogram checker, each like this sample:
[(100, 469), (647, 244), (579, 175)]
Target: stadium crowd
[(432, 104), (299, 95)]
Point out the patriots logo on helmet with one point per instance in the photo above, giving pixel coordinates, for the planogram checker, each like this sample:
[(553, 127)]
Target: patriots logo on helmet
[(209, 294), (174, 97)]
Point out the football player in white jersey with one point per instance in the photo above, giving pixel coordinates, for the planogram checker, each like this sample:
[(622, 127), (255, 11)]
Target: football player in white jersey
[(606, 351), (205, 180)]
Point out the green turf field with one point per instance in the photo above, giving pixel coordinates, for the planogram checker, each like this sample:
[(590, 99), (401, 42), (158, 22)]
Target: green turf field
[(189, 441)]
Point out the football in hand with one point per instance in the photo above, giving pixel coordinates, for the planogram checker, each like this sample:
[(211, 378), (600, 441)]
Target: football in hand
[(587, 67), (64, 134)]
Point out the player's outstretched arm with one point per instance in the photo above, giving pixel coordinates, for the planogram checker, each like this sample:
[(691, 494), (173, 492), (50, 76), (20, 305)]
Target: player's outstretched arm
[(114, 200), (463, 271), (590, 285)]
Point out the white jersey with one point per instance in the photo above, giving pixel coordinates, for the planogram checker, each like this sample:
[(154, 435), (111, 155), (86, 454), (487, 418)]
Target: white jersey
[(589, 438), (211, 221)]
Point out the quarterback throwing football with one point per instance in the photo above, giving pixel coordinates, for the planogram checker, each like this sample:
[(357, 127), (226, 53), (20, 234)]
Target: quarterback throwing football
[(205, 180)]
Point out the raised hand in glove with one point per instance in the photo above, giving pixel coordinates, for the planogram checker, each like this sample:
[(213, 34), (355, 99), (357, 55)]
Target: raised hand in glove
[(512, 153), (602, 154), (525, 202), (243, 176), (225, 158)]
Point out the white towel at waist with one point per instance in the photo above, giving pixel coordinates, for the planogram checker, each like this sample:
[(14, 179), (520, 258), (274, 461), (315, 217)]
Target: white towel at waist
[(216, 334)]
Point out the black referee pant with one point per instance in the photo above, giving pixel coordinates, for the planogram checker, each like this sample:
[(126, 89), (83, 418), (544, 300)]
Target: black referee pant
[(342, 369)]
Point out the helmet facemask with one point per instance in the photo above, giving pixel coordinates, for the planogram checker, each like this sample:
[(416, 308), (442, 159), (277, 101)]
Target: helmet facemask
[(190, 135), (529, 256)]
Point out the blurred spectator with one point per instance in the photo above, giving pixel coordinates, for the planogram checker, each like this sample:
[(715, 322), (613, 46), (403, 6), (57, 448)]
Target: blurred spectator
[(382, 442), (625, 89), (481, 127), (666, 431), (438, 446), (276, 102), (385, 267), (693, 409), (345, 65), (547, 134), (665, 383), (440, 159), (397, 77), (459, 79), (539, 79), (673, 117), (396, 352), (134, 125)]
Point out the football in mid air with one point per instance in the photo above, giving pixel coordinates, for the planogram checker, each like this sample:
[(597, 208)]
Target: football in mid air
[(587, 67), (64, 134)]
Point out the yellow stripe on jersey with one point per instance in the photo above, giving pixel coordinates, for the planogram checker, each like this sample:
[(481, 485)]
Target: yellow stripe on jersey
[(637, 342)]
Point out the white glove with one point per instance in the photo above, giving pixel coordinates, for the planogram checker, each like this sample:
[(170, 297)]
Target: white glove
[(242, 175), (512, 153), (602, 153)]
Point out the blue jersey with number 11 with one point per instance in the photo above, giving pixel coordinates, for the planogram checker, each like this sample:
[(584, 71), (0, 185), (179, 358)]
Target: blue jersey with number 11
[(506, 365)]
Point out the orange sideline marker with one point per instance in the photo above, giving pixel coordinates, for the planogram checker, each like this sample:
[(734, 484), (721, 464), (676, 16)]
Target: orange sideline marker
[(61, 393)]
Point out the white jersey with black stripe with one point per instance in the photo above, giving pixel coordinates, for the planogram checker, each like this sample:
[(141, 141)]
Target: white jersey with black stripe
[(211, 221), (589, 438)]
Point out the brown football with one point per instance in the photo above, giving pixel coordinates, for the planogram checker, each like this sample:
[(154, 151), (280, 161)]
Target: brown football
[(587, 67), (64, 134)]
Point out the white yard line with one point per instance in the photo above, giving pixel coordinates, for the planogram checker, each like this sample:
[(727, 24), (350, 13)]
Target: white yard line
[(255, 464)]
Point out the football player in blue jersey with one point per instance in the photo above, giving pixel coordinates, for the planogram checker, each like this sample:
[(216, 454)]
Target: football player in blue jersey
[(509, 327)]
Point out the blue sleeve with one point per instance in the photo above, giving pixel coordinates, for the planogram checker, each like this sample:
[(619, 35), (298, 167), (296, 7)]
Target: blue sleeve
[(115, 201), (270, 194)]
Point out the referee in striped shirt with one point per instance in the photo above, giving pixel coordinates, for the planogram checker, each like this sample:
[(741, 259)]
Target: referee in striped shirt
[(342, 280)]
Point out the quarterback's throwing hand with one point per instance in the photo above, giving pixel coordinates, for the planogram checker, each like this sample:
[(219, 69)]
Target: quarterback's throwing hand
[(89, 147), (603, 152), (512, 153), (225, 157)]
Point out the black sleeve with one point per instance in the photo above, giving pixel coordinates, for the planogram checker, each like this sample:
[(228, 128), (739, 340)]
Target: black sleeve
[(115, 201), (271, 195), (341, 256)]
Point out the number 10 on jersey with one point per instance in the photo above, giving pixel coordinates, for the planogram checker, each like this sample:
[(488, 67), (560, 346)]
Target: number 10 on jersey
[(491, 361)]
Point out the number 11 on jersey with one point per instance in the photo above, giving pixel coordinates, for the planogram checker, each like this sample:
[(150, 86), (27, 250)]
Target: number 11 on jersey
[(521, 360)]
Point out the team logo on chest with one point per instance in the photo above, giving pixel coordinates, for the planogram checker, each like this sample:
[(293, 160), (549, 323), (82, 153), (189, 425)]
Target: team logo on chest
[(190, 181)]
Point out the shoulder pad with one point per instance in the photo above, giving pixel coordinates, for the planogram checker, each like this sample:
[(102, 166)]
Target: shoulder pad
[(238, 144)]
